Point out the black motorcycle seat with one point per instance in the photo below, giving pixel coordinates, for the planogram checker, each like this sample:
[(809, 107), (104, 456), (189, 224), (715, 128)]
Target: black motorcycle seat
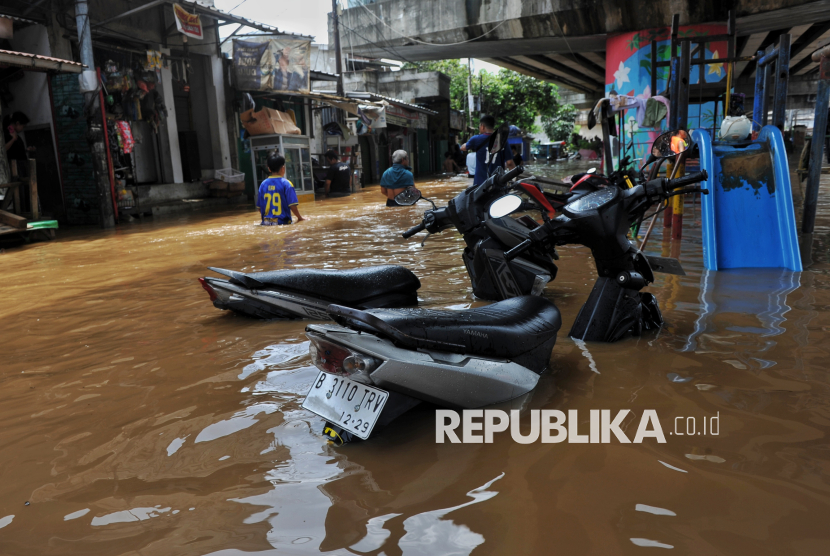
[(507, 329), (349, 286)]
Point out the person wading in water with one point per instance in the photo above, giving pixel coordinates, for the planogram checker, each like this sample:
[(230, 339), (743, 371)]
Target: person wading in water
[(397, 178)]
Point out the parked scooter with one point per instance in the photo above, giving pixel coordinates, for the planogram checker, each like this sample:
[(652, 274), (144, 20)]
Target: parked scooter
[(376, 364), (488, 235), (601, 222), (493, 277), (306, 293)]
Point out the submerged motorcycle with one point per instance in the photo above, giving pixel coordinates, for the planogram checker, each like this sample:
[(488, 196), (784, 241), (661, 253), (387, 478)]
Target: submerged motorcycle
[(488, 237), (376, 364), (492, 276), (306, 293)]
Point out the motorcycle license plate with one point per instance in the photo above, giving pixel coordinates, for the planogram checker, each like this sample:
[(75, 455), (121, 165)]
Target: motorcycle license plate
[(352, 405)]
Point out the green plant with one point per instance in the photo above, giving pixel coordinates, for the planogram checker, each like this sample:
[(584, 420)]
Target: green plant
[(508, 96)]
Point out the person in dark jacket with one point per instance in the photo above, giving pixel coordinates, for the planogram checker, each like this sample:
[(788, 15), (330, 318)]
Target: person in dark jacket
[(339, 176), (486, 162), (13, 126)]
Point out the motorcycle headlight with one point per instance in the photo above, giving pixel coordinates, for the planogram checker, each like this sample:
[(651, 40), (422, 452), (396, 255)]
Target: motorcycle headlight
[(593, 201)]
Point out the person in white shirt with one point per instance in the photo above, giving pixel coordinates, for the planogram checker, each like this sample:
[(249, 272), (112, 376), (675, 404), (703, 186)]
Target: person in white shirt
[(471, 165)]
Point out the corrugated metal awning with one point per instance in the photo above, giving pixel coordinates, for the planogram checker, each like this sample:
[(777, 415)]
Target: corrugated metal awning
[(396, 101), (38, 62), (193, 6), (19, 19)]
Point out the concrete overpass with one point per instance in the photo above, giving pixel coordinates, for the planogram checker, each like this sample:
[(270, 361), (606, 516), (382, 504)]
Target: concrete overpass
[(564, 41)]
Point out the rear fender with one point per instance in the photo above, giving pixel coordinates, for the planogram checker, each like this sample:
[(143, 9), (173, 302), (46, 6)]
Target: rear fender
[(445, 379), (243, 279)]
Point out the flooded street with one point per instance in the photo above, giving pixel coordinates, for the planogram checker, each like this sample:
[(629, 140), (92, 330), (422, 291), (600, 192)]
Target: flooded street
[(138, 419)]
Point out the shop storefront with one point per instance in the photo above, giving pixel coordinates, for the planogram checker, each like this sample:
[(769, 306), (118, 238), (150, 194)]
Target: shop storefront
[(155, 105)]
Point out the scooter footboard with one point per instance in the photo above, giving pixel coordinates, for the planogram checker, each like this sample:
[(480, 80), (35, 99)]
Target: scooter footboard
[(612, 311)]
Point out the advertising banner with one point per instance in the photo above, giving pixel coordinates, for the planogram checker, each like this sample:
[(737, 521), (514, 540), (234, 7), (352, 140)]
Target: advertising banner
[(374, 117), (253, 65), (187, 23), (272, 65)]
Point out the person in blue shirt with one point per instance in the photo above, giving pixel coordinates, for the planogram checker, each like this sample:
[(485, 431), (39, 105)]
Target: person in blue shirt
[(397, 178), (485, 162), (277, 199)]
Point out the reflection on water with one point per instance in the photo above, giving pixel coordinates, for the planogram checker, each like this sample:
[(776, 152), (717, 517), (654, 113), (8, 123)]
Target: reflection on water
[(650, 543), (428, 533), (133, 514), (653, 510), (761, 292), (138, 419)]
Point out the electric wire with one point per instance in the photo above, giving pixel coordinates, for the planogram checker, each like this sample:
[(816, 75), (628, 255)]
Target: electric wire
[(394, 54), (351, 42), (388, 40), (232, 9)]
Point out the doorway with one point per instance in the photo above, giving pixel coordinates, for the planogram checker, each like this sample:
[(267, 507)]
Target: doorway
[(48, 176), (190, 88)]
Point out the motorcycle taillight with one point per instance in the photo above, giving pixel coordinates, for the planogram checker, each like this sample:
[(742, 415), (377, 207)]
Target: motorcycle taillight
[(335, 359), (209, 289)]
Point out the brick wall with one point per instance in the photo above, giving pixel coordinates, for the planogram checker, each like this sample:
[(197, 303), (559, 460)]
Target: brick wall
[(74, 150)]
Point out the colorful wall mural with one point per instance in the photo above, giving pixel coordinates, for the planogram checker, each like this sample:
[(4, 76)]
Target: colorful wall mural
[(628, 72)]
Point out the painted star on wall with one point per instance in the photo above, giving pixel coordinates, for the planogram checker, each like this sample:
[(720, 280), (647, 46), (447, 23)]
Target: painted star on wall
[(715, 68), (621, 75)]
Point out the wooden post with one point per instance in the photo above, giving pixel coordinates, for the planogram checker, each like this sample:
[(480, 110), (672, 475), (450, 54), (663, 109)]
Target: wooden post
[(33, 188), (684, 72), (759, 102), (16, 177), (654, 61), (782, 77), (769, 85), (808, 218), (13, 220), (677, 217), (669, 212)]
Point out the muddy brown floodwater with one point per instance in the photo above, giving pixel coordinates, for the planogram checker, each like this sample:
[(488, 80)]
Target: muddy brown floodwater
[(138, 419)]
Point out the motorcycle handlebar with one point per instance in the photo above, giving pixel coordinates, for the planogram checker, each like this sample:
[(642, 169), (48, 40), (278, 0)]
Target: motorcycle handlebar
[(691, 179), (504, 178), (518, 250), (414, 230)]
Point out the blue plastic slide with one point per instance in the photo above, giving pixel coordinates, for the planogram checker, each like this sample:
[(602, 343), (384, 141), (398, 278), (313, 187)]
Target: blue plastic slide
[(748, 216)]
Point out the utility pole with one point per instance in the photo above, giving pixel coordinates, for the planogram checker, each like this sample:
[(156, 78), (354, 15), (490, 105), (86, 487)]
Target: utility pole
[(469, 92), (336, 28), (95, 121)]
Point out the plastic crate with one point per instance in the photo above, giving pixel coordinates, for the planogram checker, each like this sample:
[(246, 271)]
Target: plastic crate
[(229, 175)]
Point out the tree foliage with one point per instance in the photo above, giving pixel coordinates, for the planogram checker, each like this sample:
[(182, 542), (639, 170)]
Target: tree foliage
[(559, 125), (508, 96)]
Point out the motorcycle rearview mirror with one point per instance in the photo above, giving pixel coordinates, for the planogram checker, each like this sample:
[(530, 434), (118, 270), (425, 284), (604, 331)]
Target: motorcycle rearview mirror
[(505, 205), (651, 158), (408, 196), (671, 144)]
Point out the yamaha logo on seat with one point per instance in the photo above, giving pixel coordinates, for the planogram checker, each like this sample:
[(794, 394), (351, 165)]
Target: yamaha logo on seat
[(475, 333)]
